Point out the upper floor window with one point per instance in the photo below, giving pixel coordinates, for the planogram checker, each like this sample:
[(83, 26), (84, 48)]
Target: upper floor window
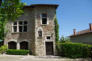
[(20, 26), (15, 27), (44, 18)]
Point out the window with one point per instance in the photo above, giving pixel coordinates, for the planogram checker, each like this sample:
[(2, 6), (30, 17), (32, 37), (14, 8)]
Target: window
[(12, 45), (15, 27), (24, 45), (25, 26), (48, 38), (20, 26), (39, 33), (44, 18)]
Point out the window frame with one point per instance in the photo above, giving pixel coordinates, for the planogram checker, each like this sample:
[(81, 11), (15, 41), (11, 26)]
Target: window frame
[(18, 30), (13, 27), (41, 16)]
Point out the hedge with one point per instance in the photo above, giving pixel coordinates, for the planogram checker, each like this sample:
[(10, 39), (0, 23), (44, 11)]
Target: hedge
[(17, 52), (74, 50)]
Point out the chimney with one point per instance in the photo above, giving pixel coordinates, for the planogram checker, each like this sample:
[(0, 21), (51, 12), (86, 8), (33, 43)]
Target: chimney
[(90, 26), (74, 31)]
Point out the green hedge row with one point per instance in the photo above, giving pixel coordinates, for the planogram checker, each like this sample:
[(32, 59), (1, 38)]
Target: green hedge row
[(17, 52), (74, 50)]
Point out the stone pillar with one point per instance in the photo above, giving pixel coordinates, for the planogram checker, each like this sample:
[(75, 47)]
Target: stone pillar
[(18, 45)]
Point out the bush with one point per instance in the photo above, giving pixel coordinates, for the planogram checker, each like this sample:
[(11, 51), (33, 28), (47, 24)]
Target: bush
[(3, 49), (74, 50), (17, 52)]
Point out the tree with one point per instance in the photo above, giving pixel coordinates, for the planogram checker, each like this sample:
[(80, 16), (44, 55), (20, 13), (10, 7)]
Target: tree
[(64, 39), (9, 11), (56, 30)]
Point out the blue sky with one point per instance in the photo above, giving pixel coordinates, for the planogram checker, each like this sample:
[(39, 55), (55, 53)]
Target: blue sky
[(70, 14)]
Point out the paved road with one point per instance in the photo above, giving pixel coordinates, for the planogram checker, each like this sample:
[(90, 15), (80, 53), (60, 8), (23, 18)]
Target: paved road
[(35, 58)]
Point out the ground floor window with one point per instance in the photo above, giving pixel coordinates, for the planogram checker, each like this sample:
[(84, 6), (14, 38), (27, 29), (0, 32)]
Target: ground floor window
[(12, 45), (24, 45)]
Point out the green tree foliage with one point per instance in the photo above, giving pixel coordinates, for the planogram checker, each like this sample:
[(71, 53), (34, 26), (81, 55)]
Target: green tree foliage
[(9, 11), (3, 49), (64, 39), (56, 30)]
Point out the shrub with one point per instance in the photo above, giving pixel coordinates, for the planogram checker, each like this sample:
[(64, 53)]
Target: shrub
[(17, 52), (74, 50), (3, 49)]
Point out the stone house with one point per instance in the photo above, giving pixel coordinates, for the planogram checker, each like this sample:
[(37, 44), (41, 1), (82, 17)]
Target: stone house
[(34, 30), (84, 36)]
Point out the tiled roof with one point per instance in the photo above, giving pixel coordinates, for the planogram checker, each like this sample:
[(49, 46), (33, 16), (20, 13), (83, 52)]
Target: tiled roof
[(82, 32)]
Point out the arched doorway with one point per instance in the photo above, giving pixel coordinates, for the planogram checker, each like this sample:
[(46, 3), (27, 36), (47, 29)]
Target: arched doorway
[(12, 45), (24, 45)]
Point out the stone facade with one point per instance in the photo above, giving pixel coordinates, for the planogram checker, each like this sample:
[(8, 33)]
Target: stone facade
[(32, 14)]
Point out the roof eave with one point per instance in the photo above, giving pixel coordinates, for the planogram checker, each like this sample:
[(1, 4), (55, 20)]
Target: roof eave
[(33, 5), (80, 34)]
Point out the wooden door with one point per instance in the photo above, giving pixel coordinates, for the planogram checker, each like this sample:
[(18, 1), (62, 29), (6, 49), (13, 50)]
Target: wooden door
[(49, 48)]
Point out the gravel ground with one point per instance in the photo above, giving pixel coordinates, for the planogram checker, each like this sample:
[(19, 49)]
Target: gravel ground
[(36, 58)]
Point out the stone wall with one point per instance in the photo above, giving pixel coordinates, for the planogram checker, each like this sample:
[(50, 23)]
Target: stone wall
[(46, 29), (28, 36)]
